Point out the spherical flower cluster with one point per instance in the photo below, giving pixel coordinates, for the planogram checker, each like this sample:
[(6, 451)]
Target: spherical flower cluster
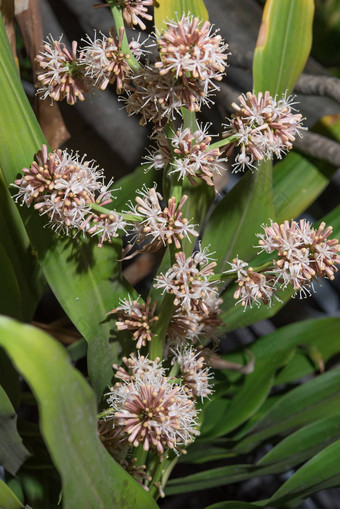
[(304, 253), (191, 58), (195, 326), (101, 61), (253, 287), (193, 157), (159, 227), (63, 186), (159, 98), (189, 281), (151, 409), (195, 374), (105, 61), (136, 317), (62, 72), (189, 49), (262, 126)]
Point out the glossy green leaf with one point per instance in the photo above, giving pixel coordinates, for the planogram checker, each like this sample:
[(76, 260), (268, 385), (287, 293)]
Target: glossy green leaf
[(302, 445), (7, 498), (290, 452), (171, 9), (12, 451), (22, 281), (306, 403), (297, 182), (235, 316), (235, 505), (321, 472), (248, 399), (333, 219), (86, 280), (283, 45), (125, 189), (271, 353), (232, 227), (67, 408)]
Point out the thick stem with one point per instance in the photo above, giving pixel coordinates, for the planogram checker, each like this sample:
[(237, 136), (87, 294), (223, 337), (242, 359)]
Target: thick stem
[(165, 314), (225, 141), (160, 475), (104, 210), (119, 23)]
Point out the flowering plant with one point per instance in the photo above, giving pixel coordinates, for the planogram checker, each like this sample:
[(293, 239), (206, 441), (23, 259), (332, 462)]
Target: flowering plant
[(160, 388)]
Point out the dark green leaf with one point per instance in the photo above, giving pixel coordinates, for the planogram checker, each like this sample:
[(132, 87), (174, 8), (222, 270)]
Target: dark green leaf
[(12, 451), (7, 498), (67, 408), (321, 472), (232, 227)]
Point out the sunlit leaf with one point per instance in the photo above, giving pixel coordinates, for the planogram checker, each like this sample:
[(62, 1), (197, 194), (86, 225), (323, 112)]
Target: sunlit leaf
[(283, 45)]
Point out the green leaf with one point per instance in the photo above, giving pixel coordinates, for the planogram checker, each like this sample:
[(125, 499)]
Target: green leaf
[(170, 9), (22, 282), (305, 404), (235, 505), (7, 498), (297, 182), (283, 45), (12, 451), (67, 409), (321, 472), (125, 188), (247, 400), (86, 280), (302, 445), (232, 227), (235, 316)]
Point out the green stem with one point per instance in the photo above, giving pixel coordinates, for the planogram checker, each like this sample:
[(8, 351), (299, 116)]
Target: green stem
[(104, 413), (165, 314), (221, 143), (160, 475), (119, 23), (104, 210), (140, 455)]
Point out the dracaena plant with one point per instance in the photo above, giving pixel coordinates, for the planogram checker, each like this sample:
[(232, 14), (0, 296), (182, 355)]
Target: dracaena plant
[(164, 393)]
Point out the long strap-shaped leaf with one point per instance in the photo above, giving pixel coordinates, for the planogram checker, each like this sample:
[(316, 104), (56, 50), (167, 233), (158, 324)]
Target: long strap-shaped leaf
[(283, 45), (67, 409), (86, 280)]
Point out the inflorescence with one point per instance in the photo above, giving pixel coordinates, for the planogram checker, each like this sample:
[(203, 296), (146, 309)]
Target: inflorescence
[(303, 255)]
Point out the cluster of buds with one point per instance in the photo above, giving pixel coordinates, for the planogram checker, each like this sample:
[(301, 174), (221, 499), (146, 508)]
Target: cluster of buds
[(191, 58), (303, 254), (150, 408), (196, 299), (65, 75), (262, 127), (133, 11), (189, 281), (195, 374), (253, 287), (62, 73), (158, 227), (192, 155), (64, 187), (136, 317)]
